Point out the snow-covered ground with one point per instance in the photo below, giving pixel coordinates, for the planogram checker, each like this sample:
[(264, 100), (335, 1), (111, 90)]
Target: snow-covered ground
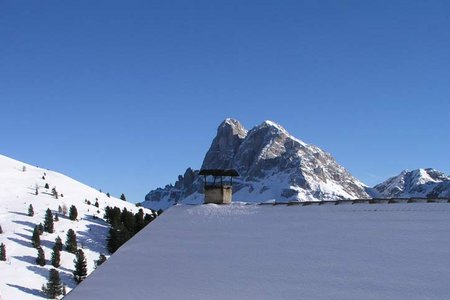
[(360, 251), (20, 277)]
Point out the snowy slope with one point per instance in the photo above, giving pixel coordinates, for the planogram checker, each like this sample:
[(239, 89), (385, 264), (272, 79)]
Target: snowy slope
[(20, 277), (360, 251), (273, 165), (425, 183)]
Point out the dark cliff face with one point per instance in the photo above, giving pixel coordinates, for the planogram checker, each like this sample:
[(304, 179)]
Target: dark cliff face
[(271, 163)]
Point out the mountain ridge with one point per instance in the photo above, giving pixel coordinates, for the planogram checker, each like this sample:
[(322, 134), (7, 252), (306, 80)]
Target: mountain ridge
[(426, 183)]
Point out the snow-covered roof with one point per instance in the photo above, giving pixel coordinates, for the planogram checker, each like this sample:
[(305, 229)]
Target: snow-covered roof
[(361, 251)]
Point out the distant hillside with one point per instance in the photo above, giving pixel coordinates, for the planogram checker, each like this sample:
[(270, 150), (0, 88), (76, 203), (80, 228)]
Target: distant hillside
[(21, 277)]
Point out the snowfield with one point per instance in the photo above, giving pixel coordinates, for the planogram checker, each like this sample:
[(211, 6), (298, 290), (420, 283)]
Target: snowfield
[(345, 251), (21, 277)]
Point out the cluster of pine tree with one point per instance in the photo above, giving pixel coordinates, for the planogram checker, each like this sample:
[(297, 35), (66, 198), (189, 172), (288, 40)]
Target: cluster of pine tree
[(124, 225)]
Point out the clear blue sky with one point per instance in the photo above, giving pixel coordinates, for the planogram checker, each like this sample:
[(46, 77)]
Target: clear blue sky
[(125, 95)]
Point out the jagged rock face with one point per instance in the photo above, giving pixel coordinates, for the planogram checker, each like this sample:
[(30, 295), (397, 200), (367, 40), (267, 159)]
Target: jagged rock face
[(428, 183), (272, 165), (225, 145)]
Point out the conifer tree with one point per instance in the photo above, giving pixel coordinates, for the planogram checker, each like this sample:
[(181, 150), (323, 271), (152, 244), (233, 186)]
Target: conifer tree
[(56, 218), (47, 186), (58, 243), (30, 211), (122, 197), (40, 260), (80, 272), (40, 228), (64, 290), (56, 257), (48, 221), (73, 213), (2, 252), (35, 238), (139, 220), (60, 209), (54, 193), (71, 241), (101, 259), (54, 287), (112, 240), (1, 229)]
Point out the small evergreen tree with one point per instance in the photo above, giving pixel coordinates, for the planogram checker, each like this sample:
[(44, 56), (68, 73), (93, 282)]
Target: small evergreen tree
[(60, 209), (108, 195), (46, 186), (122, 197), (73, 213), (80, 272), (54, 287), (58, 243), (56, 257), (71, 241), (30, 211), (2, 252), (56, 218), (112, 241), (48, 221), (35, 238), (1, 229), (40, 260), (36, 189), (64, 290), (40, 228), (101, 259), (54, 193)]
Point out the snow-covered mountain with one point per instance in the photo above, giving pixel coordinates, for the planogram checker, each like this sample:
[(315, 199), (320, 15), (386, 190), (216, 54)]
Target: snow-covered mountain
[(20, 276), (427, 183), (273, 165)]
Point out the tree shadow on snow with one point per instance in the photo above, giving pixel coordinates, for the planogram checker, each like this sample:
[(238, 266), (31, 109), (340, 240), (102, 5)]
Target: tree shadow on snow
[(67, 278), (39, 270), (93, 238), (18, 213), (25, 223), (98, 220), (27, 259), (25, 236), (21, 242), (26, 290)]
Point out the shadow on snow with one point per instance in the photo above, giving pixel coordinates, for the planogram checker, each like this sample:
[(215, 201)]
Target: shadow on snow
[(26, 290)]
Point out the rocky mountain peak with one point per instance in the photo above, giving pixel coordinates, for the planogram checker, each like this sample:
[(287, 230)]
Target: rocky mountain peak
[(273, 165), (225, 145)]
